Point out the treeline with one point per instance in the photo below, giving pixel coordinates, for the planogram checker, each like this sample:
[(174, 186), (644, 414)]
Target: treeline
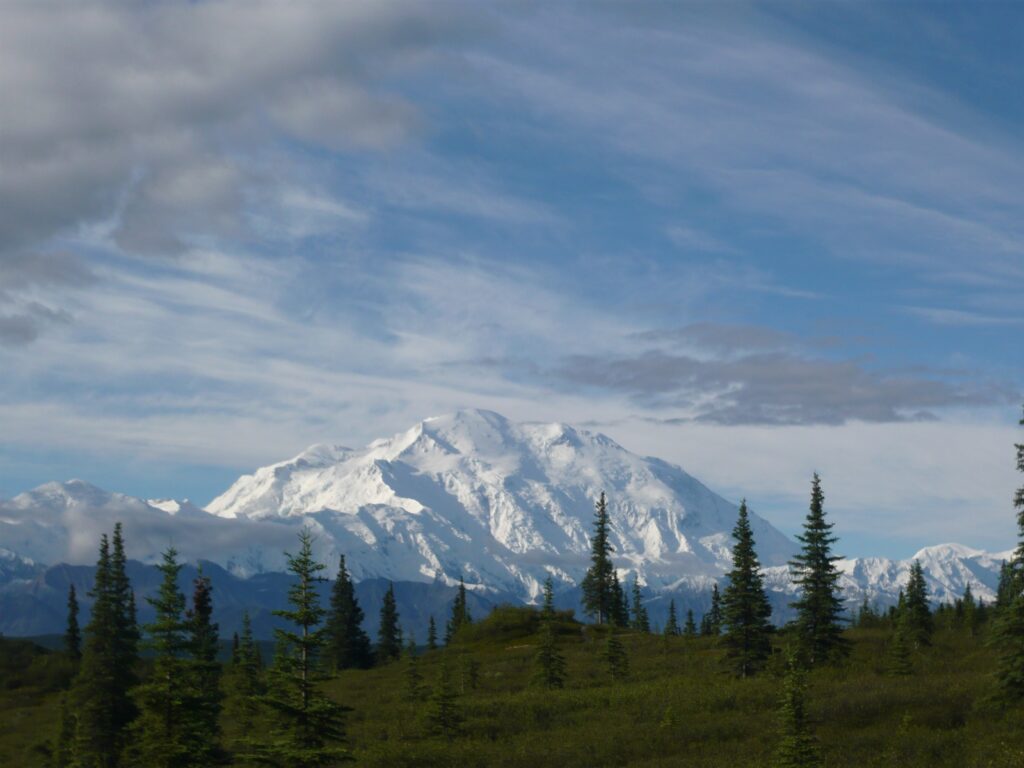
[(741, 617), (156, 695)]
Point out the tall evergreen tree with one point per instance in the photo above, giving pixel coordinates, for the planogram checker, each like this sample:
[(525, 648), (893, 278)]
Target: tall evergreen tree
[(127, 645), (245, 688), (745, 607), (1006, 588), (1008, 627), (432, 635), (389, 635), (73, 635), (620, 607), (597, 585), (919, 613), (641, 621), (1008, 640), (548, 606), (162, 731), (672, 623), (460, 613), (205, 676), (690, 627), (711, 622), (797, 746), (814, 573), (348, 645), (307, 729), (99, 697), (969, 617)]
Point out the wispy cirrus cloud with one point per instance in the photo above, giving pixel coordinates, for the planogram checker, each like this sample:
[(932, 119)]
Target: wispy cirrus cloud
[(781, 134), (775, 388)]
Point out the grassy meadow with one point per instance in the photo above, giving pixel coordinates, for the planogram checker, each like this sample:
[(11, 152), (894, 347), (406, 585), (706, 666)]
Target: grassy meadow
[(678, 706)]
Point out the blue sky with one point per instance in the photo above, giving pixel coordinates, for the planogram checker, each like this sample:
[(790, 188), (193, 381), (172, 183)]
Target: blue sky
[(755, 239)]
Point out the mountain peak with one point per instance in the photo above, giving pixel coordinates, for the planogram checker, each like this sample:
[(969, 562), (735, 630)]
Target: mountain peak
[(67, 492), (501, 503)]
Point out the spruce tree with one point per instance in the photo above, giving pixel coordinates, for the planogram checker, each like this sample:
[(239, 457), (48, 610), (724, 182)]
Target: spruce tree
[(641, 621), (916, 607), (814, 573), (99, 697), (549, 662), (443, 716), (797, 746), (715, 613), (598, 595), (460, 613), (899, 660), (1008, 627), (307, 728), (348, 645), (711, 622), (690, 627), (1008, 640), (127, 645), (389, 635), (620, 607), (432, 635), (1006, 589), (162, 731), (245, 689), (969, 611), (72, 635), (615, 657), (205, 676), (867, 617), (745, 607), (548, 606), (672, 624)]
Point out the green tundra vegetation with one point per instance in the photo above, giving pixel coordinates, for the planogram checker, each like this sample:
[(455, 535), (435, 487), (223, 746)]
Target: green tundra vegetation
[(524, 686)]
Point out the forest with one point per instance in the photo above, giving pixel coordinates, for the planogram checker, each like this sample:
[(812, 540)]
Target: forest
[(912, 685)]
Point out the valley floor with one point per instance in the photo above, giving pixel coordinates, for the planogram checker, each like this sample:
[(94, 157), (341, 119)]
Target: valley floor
[(677, 707)]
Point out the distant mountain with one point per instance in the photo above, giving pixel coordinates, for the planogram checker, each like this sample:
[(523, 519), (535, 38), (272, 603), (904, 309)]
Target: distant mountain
[(500, 504), (470, 495), (14, 567), (62, 523)]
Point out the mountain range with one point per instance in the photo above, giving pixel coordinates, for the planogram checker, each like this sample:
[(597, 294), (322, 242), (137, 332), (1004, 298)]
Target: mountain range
[(470, 496)]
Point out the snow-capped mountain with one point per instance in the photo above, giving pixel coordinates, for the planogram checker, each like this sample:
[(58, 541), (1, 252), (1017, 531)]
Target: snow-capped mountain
[(948, 569), (502, 505), (469, 495), (14, 567), (63, 522)]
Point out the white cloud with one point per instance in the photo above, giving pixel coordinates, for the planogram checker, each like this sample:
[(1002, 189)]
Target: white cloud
[(103, 97)]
